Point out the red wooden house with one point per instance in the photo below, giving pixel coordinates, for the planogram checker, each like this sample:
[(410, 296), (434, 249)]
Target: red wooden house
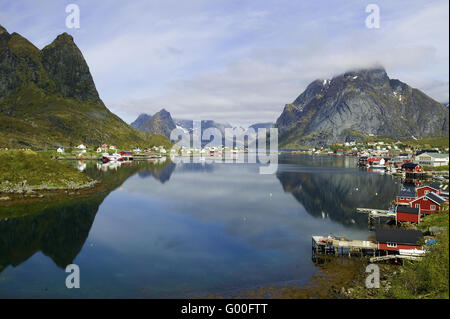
[(412, 168), (407, 214), (391, 240), (405, 197), (428, 204), (423, 190)]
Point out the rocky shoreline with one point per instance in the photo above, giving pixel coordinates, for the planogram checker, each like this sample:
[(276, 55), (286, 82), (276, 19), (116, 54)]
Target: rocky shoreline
[(15, 193)]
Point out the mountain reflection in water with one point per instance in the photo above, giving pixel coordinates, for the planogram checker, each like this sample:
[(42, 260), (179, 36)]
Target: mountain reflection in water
[(59, 229), (335, 193), (188, 229)]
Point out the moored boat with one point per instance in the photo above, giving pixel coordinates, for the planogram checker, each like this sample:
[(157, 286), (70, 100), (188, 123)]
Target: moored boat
[(127, 156), (110, 157)]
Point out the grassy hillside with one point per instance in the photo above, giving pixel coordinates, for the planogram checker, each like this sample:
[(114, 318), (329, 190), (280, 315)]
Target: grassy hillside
[(33, 118), (432, 142), (48, 99), (27, 170), (429, 277)]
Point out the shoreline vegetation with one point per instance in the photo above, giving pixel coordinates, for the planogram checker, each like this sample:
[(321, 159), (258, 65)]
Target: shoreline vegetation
[(27, 175)]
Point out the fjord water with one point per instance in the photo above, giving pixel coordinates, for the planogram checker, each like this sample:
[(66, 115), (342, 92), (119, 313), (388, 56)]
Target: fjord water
[(187, 230)]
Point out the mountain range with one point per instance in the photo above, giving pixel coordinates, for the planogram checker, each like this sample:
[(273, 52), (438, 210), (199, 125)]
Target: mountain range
[(163, 123), (48, 98), (359, 104), (160, 123)]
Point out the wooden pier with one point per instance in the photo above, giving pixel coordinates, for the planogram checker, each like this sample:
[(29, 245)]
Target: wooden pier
[(342, 247), (375, 215), (338, 246), (389, 257), (374, 211)]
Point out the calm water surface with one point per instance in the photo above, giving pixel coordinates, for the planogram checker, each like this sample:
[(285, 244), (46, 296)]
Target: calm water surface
[(186, 230)]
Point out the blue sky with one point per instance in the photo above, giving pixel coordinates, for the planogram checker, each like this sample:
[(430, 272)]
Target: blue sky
[(238, 61)]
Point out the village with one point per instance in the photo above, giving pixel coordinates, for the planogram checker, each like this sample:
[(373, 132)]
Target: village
[(398, 238), (424, 192), (423, 173)]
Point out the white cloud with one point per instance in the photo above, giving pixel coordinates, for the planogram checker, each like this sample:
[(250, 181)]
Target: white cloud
[(241, 62), (257, 83)]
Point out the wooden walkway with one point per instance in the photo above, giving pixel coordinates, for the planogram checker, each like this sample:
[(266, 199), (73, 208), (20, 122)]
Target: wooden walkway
[(374, 212), (374, 215), (324, 241), (388, 257), (360, 248), (342, 247)]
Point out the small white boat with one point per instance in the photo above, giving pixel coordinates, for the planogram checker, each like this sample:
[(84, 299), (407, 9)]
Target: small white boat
[(111, 157), (376, 166)]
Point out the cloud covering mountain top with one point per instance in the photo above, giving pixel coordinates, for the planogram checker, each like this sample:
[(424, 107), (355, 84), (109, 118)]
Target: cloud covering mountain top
[(239, 62)]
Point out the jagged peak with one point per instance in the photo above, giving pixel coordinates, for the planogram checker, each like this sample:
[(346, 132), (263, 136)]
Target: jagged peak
[(3, 30), (21, 45), (319, 83), (163, 111), (375, 74), (4, 38), (369, 71), (63, 39)]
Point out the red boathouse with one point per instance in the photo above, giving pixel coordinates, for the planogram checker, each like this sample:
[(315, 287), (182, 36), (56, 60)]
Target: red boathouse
[(391, 240), (407, 214), (405, 197)]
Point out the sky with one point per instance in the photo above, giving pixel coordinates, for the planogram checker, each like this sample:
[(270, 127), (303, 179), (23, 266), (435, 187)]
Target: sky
[(234, 61)]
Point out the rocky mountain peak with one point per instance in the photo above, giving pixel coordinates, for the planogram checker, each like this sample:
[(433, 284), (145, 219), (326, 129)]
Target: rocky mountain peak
[(65, 64), (63, 38), (3, 30), (160, 123), (4, 37), (21, 46), (357, 103), (48, 99), (140, 120), (163, 113), (376, 75)]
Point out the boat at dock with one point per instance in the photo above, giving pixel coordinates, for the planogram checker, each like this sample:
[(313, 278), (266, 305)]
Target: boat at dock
[(126, 156), (110, 157), (376, 163)]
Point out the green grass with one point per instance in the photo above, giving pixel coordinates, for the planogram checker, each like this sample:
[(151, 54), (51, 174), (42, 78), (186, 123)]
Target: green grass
[(429, 277), (443, 168), (37, 170), (430, 142), (42, 110), (35, 119)]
